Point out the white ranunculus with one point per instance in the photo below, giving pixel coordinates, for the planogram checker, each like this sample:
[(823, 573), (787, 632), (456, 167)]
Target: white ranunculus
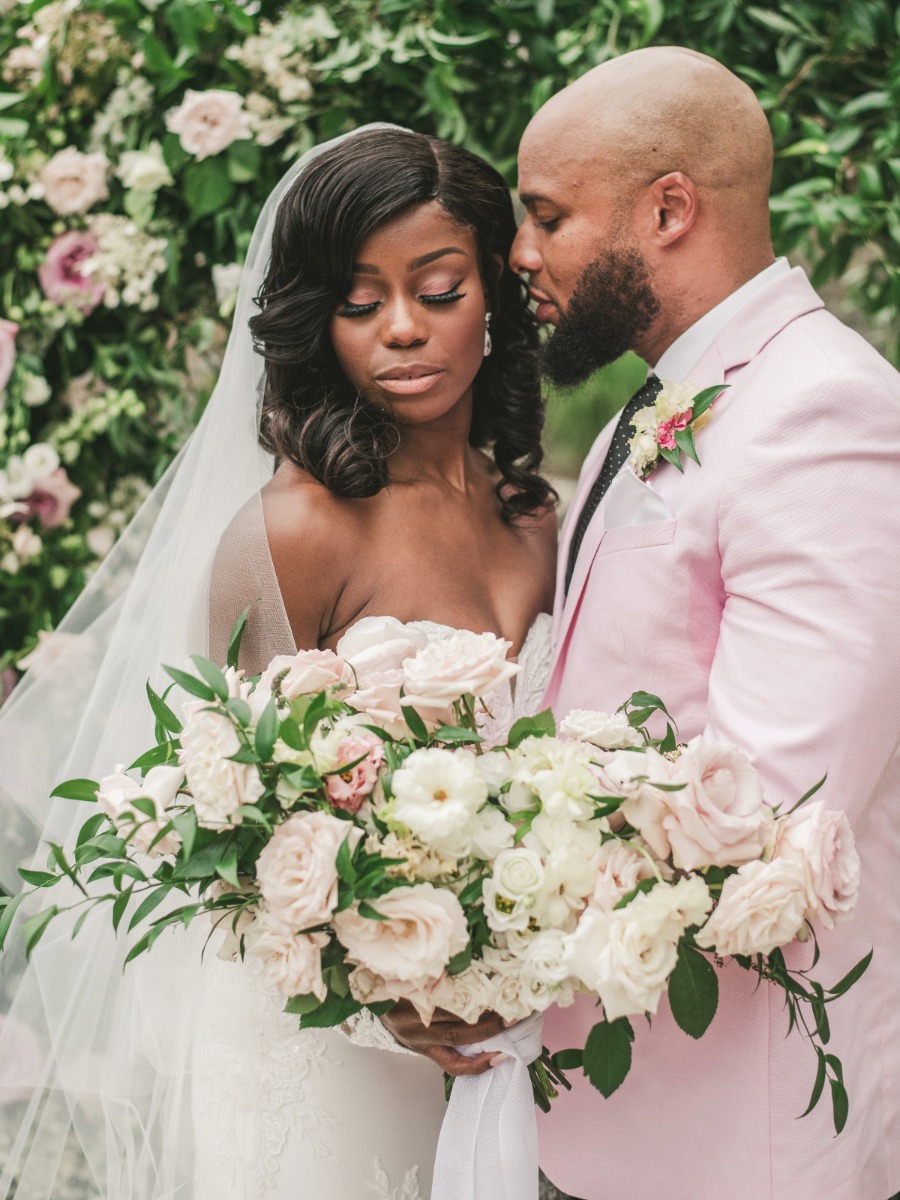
[(40, 461), (760, 907), (437, 796), (449, 668), (297, 869), (424, 928), (218, 786), (144, 170), (495, 770), (609, 731), (377, 644), (512, 889), (719, 818), (73, 182), (565, 789), (292, 962), (116, 795), (822, 842), (208, 122)]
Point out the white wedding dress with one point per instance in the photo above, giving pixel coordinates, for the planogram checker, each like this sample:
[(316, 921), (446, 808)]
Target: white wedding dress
[(284, 1114)]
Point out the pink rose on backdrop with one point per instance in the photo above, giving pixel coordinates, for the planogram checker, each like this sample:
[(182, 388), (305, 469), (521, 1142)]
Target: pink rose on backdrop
[(307, 672), (20, 1063), (208, 122), (73, 182), (297, 871), (52, 499), (349, 789), (61, 275), (8, 331), (821, 841)]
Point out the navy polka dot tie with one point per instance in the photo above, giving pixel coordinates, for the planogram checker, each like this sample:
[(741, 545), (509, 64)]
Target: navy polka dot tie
[(619, 449)]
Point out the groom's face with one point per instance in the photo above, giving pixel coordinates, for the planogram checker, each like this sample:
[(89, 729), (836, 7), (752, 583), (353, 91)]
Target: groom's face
[(586, 271)]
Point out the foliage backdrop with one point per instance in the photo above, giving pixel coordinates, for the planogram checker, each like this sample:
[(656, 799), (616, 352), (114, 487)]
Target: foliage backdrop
[(129, 187)]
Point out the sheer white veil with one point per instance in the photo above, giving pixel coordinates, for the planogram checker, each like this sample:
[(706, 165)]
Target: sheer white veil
[(93, 1060)]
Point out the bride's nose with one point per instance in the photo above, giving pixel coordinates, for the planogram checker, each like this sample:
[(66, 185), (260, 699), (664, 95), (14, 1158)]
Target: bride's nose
[(404, 324)]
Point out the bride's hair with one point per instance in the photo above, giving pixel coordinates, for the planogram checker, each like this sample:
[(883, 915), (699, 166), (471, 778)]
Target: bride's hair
[(311, 414)]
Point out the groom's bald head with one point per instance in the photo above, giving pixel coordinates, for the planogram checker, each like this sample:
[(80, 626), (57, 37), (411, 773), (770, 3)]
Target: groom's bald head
[(652, 170)]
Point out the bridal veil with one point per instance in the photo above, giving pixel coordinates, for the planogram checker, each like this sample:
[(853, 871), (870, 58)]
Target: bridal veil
[(95, 1060)]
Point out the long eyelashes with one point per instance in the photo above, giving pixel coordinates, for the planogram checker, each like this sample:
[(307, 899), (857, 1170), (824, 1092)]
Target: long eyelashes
[(349, 309)]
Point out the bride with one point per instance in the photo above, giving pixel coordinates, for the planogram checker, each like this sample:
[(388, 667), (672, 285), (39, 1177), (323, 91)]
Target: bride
[(400, 402)]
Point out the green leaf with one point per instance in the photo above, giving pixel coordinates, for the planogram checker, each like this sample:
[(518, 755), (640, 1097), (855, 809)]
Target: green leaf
[(852, 975), (165, 752), (34, 927), (119, 905), (333, 1011), (807, 795), (239, 709), (647, 700), (372, 914), (191, 685), (301, 1005), (76, 789), (840, 1104), (234, 641), (543, 724), (89, 828), (208, 187), (39, 879), (185, 825), (672, 456), (818, 1086), (456, 735), (149, 903), (414, 721), (693, 991), (8, 908), (568, 1060), (607, 1054), (344, 863), (226, 868), (267, 731), (8, 99), (244, 158), (212, 674), (684, 440), (459, 962)]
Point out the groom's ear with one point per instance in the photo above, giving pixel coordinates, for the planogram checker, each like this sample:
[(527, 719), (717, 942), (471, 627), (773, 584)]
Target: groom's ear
[(674, 207)]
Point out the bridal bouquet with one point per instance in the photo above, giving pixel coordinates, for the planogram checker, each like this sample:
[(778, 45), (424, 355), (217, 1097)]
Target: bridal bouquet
[(342, 820)]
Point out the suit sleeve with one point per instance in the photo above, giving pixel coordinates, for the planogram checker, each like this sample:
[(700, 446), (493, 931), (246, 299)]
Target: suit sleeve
[(806, 673)]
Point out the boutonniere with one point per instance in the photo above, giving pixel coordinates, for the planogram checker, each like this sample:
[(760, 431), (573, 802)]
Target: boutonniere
[(666, 428)]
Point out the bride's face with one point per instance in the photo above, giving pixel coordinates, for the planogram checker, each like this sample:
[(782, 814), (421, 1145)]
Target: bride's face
[(410, 334)]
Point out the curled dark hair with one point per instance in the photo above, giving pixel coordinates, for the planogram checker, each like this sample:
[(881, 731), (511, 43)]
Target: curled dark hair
[(311, 414)]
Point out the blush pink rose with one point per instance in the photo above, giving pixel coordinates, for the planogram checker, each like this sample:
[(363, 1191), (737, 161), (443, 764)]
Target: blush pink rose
[(620, 868), (307, 672), (720, 818), (73, 182), (378, 698), (52, 498), (297, 873), (352, 786), (61, 276), (821, 841), (8, 331), (208, 122), (463, 664), (760, 907), (292, 962), (424, 928), (116, 795)]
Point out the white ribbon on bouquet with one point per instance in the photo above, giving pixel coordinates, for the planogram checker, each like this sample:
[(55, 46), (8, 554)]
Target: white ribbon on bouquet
[(488, 1144)]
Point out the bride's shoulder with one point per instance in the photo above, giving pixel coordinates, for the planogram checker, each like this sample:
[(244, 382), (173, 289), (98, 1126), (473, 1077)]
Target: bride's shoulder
[(301, 514)]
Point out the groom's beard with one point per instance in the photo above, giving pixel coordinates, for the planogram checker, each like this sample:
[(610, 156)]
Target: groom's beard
[(612, 305)]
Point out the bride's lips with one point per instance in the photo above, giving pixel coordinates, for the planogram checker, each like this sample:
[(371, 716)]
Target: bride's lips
[(409, 379)]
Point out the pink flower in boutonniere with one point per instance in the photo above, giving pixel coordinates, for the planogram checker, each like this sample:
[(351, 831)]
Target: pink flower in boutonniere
[(666, 428)]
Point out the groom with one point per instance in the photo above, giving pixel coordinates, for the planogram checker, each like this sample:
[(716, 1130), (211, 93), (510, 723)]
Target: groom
[(758, 594)]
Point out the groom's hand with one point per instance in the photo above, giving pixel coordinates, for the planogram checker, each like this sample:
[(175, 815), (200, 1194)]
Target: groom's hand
[(438, 1040)]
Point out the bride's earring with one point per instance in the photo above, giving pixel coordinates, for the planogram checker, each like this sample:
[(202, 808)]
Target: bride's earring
[(487, 334)]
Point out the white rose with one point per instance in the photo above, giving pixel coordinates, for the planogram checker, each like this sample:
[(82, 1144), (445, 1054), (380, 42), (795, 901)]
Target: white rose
[(549, 834), (378, 644), (437, 796), (144, 170), (226, 279), (208, 122), (116, 795), (292, 962), (822, 842), (463, 664), (609, 731), (511, 891), (307, 672), (297, 872), (40, 460), (36, 390), (720, 818), (466, 995), (424, 928), (495, 770), (544, 973), (73, 181), (491, 834), (218, 786), (760, 907), (625, 956), (644, 450)]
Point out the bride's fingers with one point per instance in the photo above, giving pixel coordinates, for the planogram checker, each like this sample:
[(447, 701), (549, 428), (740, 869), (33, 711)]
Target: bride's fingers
[(454, 1063)]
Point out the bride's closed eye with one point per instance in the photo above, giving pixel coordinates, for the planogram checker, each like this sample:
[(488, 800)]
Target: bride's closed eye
[(351, 309)]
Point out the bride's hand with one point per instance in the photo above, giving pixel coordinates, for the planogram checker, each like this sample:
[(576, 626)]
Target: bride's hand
[(437, 1040)]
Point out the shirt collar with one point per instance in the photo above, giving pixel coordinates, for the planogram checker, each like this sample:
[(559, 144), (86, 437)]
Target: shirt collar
[(686, 351)]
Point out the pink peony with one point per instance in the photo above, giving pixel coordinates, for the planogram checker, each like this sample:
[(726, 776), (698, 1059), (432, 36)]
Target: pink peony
[(665, 433), (61, 276), (52, 499), (8, 331), (821, 841), (351, 787)]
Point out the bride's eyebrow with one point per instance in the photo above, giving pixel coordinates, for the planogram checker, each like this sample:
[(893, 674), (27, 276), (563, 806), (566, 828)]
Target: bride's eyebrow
[(422, 261)]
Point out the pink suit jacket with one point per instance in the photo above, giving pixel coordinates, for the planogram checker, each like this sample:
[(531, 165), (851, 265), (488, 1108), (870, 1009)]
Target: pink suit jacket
[(765, 611)]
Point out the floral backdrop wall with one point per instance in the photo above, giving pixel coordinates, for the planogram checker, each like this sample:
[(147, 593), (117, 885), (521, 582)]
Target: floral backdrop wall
[(139, 138)]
